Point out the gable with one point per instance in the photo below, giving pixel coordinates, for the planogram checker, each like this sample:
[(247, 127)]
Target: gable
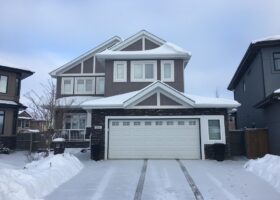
[(136, 46), (167, 101), (24, 114), (150, 45), (150, 101), (74, 70)]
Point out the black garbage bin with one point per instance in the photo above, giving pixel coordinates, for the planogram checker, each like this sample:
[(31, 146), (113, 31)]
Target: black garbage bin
[(58, 145), (219, 151), (95, 152)]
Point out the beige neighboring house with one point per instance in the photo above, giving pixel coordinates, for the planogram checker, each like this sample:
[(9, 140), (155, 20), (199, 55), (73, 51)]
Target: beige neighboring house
[(26, 123)]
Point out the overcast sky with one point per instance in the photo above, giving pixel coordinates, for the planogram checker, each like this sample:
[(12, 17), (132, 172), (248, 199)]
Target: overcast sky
[(43, 35)]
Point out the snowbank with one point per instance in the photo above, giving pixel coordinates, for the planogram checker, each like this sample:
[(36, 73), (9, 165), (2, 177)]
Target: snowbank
[(268, 168), (38, 178)]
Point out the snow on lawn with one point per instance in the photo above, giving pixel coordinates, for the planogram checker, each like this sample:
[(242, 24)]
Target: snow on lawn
[(38, 178), (268, 168)]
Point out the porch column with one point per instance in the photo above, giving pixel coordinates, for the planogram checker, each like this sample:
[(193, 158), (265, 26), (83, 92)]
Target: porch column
[(88, 119)]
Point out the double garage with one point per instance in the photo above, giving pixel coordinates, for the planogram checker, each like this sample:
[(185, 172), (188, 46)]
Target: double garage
[(162, 138)]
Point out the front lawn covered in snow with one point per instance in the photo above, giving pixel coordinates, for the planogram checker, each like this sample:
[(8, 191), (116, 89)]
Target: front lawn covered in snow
[(38, 178), (268, 168)]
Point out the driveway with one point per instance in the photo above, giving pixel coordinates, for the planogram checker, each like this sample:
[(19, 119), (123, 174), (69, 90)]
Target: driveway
[(163, 179)]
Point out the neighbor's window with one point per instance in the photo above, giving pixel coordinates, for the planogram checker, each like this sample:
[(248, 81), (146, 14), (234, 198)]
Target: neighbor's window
[(167, 70), (67, 86), (276, 60), (100, 85), (143, 71), (120, 71), (3, 84), (214, 129), (17, 86), (2, 121), (85, 85)]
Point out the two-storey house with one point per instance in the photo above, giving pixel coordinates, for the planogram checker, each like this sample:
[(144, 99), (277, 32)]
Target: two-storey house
[(10, 82), (255, 85), (129, 96)]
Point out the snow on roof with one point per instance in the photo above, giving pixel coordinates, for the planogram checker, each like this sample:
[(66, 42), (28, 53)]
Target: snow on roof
[(167, 50), (277, 91), (8, 102), (269, 38), (24, 117), (74, 101)]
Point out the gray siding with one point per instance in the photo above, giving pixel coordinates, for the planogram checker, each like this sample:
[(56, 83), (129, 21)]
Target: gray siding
[(99, 66), (136, 46), (166, 101), (11, 87), (114, 88), (247, 115), (88, 65), (272, 116), (150, 101), (271, 77), (150, 45), (74, 70)]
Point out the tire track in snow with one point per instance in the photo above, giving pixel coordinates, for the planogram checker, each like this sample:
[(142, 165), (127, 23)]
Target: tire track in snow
[(103, 184)]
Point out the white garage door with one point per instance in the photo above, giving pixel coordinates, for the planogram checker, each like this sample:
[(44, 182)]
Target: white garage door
[(155, 138)]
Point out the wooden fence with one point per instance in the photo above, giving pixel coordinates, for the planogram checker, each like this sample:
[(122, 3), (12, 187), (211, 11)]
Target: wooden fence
[(33, 141)]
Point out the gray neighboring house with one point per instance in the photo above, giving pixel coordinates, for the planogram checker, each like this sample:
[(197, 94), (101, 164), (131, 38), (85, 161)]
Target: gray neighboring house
[(10, 84), (129, 96), (255, 85)]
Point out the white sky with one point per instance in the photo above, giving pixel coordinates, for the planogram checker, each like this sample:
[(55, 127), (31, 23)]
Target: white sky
[(43, 35)]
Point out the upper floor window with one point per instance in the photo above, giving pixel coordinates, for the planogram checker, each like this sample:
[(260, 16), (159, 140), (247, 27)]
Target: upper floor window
[(276, 60), (143, 71), (3, 84), (120, 72), (67, 86), (167, 70), (17, 86), (100, 85), (84, 85)]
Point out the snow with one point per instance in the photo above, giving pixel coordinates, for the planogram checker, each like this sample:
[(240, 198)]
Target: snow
[(58, 140), (74, 101), (269, 38), (277, 91), (38, 178), (268, 168), (8, 102), (167, 50)]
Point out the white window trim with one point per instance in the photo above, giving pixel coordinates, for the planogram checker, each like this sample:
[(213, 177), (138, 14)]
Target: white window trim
[(116, 63), (162, 70), (85, 78), (62, 85), (73, 114), (154, 62)]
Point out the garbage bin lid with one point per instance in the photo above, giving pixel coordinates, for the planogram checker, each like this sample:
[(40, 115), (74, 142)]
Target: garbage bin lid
[(59, 140)]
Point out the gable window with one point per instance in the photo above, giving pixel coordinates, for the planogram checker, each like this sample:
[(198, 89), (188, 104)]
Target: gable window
[(100, 85), (84, 85), (2, 120), (3, 84), (143, 71), (214, 129), (167, 70), (276, 60), (120, 73), (67, 86)]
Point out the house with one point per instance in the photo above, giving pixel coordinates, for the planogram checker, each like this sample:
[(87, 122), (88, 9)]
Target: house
[(256, 84), (27, 123), (129, 96), (10, 84)]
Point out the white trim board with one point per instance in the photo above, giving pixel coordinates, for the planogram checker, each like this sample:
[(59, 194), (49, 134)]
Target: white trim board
[(203, 123)]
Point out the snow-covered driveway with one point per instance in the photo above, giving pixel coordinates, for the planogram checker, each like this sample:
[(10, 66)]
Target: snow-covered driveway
[(164, 179)]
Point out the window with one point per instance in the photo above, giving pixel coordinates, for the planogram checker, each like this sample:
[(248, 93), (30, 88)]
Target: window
[(192, 123), (148, 123), (3, 84), (158, 123), (143, 71), (100, 85), (276, 60), (115, 123), (2, 121), (17, 86), (126, 123), (85, 85), (167, 70), (169, 123), (75, 121), (214, 129), (67, 86), (137, 123), (181, 123), (120, 71)]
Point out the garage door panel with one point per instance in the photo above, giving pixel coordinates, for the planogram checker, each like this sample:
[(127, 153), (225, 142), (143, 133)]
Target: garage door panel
[(156, 138)]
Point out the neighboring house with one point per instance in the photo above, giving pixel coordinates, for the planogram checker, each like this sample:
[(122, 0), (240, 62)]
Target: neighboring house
[(27, 123), (256, 86), (10, 83), (129, 95)]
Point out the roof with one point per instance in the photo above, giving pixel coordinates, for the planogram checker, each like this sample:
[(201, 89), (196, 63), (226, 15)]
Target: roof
[(95, 49), (74, 101), (274, 97), (12, 104), (124, 100), (250, 54), (167, 51), (23, 72)]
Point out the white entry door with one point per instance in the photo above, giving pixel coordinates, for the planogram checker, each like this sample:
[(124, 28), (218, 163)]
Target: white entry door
[(154, 139)]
